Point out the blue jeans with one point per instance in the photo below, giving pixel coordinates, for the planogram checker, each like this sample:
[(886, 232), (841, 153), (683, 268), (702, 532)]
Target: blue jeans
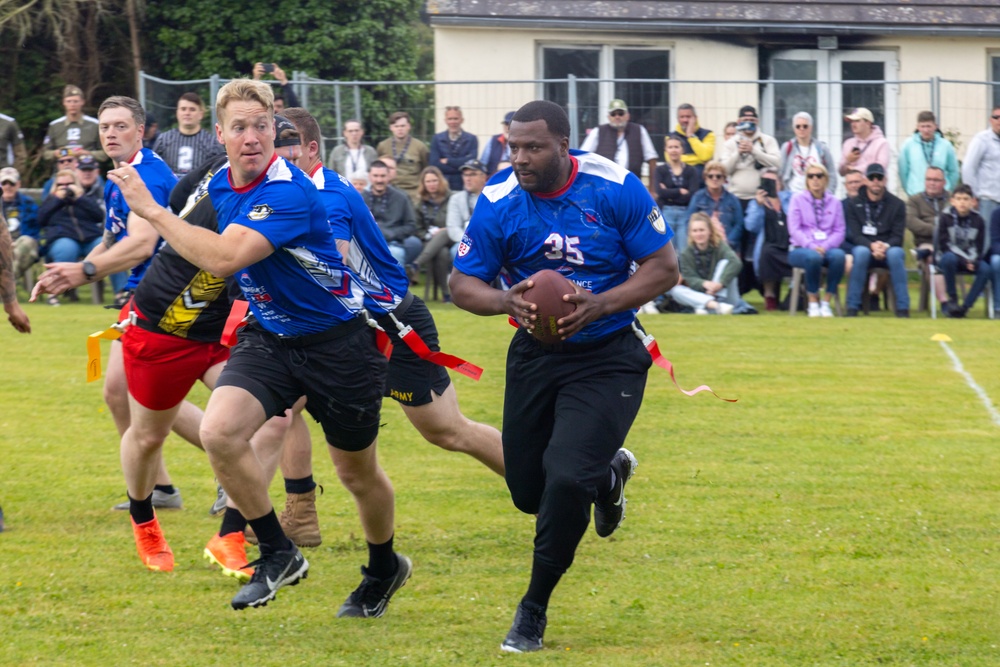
[(894, 260), (813, 263), (995, 268), (406, 251), (70, 250), (676, 219), (949, 264)]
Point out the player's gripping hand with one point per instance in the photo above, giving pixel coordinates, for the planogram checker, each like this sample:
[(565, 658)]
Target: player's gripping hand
[(515, 305), (589, 307)]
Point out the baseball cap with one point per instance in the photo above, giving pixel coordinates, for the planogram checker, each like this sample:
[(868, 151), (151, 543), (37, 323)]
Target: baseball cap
[(875, 169), (150, 118), (71, 90), (476, 165), (86, 163), (861, 113), (508, 117), (747, 110), (284, 126), (618, 105), (9, 175)]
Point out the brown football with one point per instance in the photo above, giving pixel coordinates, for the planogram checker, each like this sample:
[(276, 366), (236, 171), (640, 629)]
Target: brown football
[(547, 293)]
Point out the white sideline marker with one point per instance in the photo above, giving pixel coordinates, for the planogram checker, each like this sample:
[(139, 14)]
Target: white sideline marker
[(944, 339)]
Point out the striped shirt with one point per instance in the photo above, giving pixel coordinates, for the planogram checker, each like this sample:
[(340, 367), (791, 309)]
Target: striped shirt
[(186, 152)]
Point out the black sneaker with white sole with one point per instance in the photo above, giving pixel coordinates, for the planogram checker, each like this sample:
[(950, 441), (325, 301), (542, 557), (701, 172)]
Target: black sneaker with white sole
[(609, 511), (271, 572), (526, 633), (370, 599)]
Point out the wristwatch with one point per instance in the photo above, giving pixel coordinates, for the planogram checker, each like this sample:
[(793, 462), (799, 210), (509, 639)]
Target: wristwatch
[(89, 271)]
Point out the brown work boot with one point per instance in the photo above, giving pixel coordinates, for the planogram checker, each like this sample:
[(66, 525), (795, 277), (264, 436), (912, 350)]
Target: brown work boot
[(299, 519)]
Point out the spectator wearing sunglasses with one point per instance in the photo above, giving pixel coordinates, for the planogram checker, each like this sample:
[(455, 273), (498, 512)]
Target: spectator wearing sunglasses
[(622, 141), (798, 153), (876, 221), (981, 169), (720, 205)]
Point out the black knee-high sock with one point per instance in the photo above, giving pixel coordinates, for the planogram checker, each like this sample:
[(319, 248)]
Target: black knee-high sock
[(141, 510), (382, 562), (269, 534), (232, 522), (543, 582)]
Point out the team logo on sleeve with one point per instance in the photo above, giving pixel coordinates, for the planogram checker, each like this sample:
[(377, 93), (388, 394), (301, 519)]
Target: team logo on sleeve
[(655, 219), (259, 212), (464, 246)]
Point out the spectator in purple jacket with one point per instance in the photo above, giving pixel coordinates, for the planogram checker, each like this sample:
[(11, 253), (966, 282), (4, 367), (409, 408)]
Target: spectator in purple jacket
[(816, 231)]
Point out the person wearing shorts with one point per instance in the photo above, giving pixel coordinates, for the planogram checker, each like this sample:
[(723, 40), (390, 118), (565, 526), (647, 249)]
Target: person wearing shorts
[(275, 240)]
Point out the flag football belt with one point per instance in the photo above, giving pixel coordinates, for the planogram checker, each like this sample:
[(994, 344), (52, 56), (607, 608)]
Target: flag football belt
[(114, 332), (416, 344)]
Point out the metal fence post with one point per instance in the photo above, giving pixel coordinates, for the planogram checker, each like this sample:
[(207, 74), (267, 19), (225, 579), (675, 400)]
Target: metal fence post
[(213, 86), (357, 102), (142, 88), (936, 96), (573, 111), (337, 112)]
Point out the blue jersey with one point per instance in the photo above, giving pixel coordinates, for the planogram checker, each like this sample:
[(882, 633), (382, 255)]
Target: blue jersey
[(383, 279), (302, 287), (159, 180), (591, 231)]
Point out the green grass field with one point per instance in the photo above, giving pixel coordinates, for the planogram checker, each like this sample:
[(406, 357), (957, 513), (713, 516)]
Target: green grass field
[(844, 512)]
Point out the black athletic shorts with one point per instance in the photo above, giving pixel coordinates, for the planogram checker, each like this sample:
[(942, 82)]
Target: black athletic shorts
[(411, 379), (340, 371)]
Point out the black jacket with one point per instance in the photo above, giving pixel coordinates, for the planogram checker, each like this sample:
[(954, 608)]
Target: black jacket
[(80, 219), (888, 217)]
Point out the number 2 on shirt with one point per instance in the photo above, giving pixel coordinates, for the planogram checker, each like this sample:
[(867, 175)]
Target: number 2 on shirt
[(564, 247)]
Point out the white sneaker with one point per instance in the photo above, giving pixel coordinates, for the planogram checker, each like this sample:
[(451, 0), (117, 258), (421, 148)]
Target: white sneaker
[(725, 309), (649, 308), (824, 309), (700, 311), (813, 309)]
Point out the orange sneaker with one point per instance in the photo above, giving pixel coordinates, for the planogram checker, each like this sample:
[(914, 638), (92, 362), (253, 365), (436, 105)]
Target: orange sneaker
[(229, 552), (154, 552)]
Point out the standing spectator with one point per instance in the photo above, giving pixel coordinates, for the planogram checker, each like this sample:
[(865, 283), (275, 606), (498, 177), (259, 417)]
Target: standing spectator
[(698, 143), (409, 153), (746, 154), (728, 132), (815, 233), (453, 148), (766, 217), (719, 204), (624, 142), (981, 169), (496, 150), (71, 222), (74, 130), (798, 153), (152, 132), (12, 151), (393, 212), (876, 221), (709, 268), (21, 213), (853, 180), (868, 145), (676, 182), (188, 145), (8, 290), (353, 155), (961, 248), (562, 455), (284, 96), (926, 148)]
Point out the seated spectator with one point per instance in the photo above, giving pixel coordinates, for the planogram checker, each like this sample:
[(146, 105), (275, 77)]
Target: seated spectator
[(21, 213), (453, 147), (284, 97), (853, 180), (394, 214), (462, 204), (676, 182), (961, 248), (766, 217), (432, 217), (815, 232), (876, 221), (71, 222), (719, 204), (353, 155), (709, 268), (922, 213), (66, 158), (89, 176), (995, 257), (496, 149), (359, 180), (151, 131), (802, 151)]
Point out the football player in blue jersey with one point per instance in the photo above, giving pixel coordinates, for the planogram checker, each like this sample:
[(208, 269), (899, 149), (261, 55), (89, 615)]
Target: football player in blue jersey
[(307, 338), (568, 406)]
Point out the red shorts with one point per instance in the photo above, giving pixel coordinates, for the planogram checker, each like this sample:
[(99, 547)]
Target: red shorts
[(161, 369)]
